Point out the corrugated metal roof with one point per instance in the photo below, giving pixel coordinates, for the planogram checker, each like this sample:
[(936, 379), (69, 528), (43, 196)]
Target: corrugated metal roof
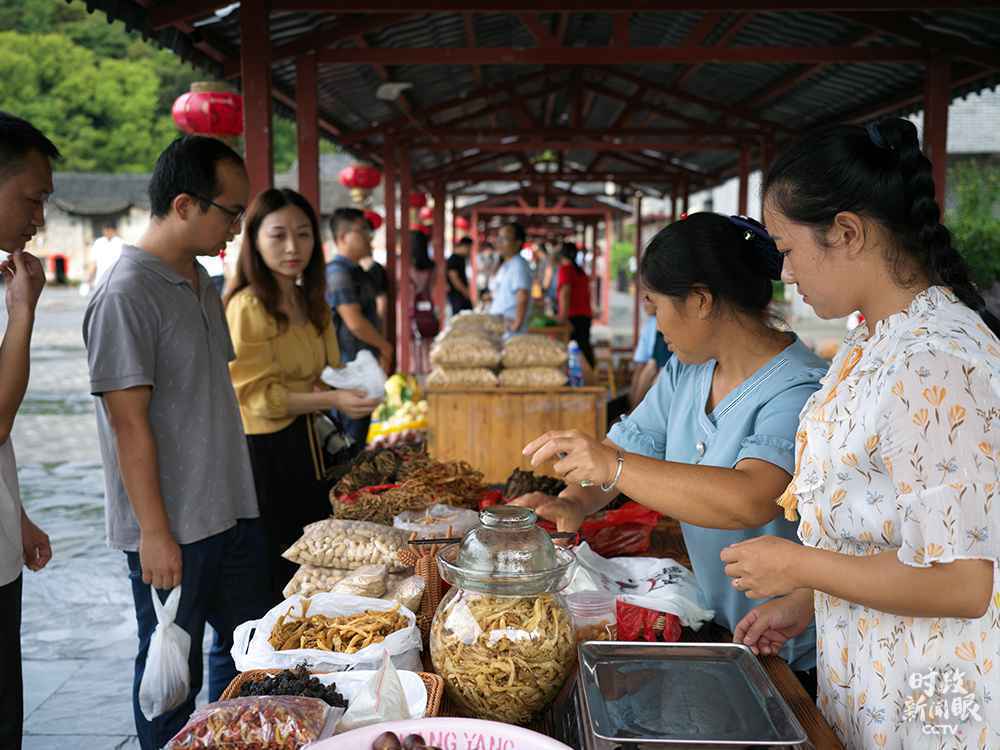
[(835, 91)]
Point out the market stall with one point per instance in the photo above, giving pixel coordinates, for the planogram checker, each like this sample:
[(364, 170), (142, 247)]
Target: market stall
[(427, 606)]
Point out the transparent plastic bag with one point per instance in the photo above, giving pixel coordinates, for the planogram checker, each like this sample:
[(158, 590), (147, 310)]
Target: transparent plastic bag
[(407, 591), (285, 722), (492, 325), (437, 521), (362, 373), (368, 580), (311, 579), (533, 377), (381, 699), (166, 681), (474, 376), (529, 350), (348, 545), (461, 350)]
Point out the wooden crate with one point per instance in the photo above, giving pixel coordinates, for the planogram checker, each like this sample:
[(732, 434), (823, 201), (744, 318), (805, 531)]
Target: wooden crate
[(488, 427)]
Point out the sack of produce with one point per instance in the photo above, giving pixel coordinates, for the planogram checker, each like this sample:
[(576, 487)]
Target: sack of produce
[(533, 377), (529, 350), (468, 321), (437, 521), (335, 543), (310, 579), (474, 376), (368, 580), (465, 350), (329, 632), (262, 722), (406, 591)]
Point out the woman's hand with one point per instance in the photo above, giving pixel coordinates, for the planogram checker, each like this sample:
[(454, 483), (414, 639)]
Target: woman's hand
[(565, 512), (764, 567), (766, 628), (35, 543), (578, 458), (354, 403)]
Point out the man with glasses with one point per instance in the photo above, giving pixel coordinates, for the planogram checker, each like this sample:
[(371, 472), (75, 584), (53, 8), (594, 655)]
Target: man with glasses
[(353, 298), (180, 497)]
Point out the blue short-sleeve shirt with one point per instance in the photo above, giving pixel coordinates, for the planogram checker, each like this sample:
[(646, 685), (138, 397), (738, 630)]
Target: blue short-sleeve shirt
[(512, 277), (758, 420)]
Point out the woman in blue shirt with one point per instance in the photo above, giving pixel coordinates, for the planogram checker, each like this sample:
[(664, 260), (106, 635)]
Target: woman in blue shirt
[(713, 442)]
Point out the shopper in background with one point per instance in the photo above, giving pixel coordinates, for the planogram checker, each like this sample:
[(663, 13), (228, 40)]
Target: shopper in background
[(283, 335), (574, 300)]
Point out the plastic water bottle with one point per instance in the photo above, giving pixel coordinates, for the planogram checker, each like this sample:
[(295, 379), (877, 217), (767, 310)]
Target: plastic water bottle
[(575, 364)]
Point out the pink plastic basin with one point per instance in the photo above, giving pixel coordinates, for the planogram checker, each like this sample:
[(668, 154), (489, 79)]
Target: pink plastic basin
[(447, 733)]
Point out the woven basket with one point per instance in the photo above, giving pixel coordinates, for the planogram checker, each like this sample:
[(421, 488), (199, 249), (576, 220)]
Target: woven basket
[(433, 683), (424, 562)]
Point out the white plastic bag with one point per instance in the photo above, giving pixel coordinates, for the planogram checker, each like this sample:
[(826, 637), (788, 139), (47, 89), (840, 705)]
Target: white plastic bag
[(361, 373), (251, 649), (663, 585), (381, 699), (167, 680)]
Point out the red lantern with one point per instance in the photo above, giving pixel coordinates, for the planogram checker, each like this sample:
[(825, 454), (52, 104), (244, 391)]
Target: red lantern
[(462, 224), (418, 200), (360, 177), (215, 113), (427, 213), (374, 219)]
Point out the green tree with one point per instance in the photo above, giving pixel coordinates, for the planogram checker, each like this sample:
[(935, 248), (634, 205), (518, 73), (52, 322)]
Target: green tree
[(975, 219)]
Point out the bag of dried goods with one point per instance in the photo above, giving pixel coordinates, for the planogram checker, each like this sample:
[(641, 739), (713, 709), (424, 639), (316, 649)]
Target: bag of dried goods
[(334, 543), (464, 350), (492, 325), (503, 658), (475, 376), (407, 591), (437, 521), (284, 722), (529, 350), (309, 580), (329, 633), (533, 377), (368, 580)]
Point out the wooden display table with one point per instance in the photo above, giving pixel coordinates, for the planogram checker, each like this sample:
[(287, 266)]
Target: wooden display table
[(488, 427)]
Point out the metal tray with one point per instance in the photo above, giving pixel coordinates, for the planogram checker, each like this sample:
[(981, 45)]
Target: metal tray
[(682, 694)]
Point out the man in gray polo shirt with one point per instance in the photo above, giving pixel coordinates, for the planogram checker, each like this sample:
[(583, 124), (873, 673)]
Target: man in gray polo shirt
[(180, 495)]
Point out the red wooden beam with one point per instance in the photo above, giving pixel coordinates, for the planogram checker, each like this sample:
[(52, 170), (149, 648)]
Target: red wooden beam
[(444, 132), (256, 61), (307, 129), (628, 56), (391, 253), (622, 6), (700, 31), (532, 211), (638, 260), (440, 303), (609, 243), (662, 111), (404, 338), (341, 29), (536, 27), (936, 123), (744, 190), (620, 29), (545, 178), (169, 14), (592, 145), (728, 36)]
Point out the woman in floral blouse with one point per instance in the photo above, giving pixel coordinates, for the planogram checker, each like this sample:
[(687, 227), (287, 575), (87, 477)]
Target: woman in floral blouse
[(898, 455)]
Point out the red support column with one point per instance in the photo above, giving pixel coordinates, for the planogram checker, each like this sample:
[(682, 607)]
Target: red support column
[(638, 258), (766, 154), (255, 66), (404, 343), (474, 280), (391, 253), (937, 100), (686, 206), (744, 180), (307, 128), (609, 242), (439, 270)]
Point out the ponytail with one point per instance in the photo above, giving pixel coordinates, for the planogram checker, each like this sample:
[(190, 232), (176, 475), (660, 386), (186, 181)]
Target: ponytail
[(878, 171)]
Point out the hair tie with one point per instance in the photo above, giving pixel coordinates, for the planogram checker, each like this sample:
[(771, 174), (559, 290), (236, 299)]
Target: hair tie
[(875, 135), (761, 244)]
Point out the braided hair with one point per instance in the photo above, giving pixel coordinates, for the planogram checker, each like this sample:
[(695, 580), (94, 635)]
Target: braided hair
[(880, 172)]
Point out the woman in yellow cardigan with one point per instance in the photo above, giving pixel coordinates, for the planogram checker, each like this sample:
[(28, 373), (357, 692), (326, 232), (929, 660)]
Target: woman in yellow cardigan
[(284, 338)]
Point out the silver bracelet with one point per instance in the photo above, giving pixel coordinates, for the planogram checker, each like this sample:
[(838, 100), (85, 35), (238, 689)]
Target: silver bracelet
[(618, 474)]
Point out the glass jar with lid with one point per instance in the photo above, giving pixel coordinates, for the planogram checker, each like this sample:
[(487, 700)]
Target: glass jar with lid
[(502, 637)]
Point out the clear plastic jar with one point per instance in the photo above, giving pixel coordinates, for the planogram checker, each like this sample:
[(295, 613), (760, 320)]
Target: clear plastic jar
[(502, 637), (594, 616)]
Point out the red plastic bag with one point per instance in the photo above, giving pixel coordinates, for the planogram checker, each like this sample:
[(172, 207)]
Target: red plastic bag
[(640, 624), (628, 530), (284, 722)]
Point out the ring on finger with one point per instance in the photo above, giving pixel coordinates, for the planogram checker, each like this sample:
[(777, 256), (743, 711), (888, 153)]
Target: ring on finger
[(586, 483)]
